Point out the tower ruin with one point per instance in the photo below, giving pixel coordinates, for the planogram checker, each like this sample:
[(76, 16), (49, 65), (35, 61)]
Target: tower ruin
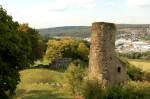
[(103, 63)]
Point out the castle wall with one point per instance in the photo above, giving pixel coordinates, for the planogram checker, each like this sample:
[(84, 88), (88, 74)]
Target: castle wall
[(103, 63)]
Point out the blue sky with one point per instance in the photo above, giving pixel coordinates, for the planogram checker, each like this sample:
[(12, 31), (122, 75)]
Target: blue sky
[(52, 13)]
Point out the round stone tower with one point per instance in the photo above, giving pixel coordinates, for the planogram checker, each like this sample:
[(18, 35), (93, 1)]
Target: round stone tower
[(103, 63)]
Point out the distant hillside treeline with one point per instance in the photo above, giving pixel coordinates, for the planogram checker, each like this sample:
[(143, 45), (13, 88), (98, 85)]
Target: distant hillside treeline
[(81, 31), (73, 31)]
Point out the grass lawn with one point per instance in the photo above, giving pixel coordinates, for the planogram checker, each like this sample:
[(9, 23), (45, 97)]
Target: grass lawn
[(142, 64), (42, 84)]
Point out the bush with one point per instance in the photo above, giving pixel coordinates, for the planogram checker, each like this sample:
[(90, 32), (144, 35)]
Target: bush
[(130, 90), (93, 90), (136, 55), (147, 76), (135, 73), (75, 79)]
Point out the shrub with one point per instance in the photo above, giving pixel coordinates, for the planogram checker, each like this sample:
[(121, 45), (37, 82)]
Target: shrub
[(136, 55), (130, 90), (75, 79), (147, 76), (93, 90), (135, 73)]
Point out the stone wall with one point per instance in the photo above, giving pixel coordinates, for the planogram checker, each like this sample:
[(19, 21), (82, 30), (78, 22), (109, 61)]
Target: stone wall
[(60, 63), (103, 63)]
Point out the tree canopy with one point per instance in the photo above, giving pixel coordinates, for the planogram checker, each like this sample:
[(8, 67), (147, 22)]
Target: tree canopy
[(68, 48), (18, 49)]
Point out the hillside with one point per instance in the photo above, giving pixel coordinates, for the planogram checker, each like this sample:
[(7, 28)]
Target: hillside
[(84, 31), (73, 31)]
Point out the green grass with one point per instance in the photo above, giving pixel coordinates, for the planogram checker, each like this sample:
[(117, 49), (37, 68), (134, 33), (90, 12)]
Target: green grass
[(44, 62), (42, 84), (48, 84), (41, 76), (142, 64)]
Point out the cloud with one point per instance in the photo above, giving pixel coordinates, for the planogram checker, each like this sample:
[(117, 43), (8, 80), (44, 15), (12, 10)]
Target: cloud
[(138, 3), (58, 5), (51, 13), (79, 3)]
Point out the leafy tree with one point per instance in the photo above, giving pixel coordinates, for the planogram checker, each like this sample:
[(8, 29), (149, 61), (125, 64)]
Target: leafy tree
[(18, 49), (83, 51), (35, 41), (53, 50), (61, 48), (10, 54), (68, 48)]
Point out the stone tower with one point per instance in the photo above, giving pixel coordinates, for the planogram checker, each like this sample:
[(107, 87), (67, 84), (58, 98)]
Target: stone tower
[(103, 63)]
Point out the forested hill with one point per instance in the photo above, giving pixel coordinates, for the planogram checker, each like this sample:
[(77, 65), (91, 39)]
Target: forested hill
[(82, 31), (73, 31)]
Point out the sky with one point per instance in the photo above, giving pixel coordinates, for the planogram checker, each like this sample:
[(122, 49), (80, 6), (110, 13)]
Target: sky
[(55, 13)]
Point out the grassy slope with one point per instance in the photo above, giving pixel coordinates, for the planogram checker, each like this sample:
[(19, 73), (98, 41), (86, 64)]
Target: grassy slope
[(142, 64), (48, 84), (42, 84)]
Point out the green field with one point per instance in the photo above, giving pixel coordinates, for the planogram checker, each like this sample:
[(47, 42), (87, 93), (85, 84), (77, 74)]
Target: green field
[(42, 84), (48, 84), (142, 64)]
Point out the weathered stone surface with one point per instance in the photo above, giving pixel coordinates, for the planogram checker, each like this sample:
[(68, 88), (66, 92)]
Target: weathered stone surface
[(103, 63)]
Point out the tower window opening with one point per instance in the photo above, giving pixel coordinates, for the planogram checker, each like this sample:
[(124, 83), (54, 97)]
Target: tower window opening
[(119, 69)]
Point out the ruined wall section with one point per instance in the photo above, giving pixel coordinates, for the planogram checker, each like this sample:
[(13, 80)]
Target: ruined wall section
[(103, 64)]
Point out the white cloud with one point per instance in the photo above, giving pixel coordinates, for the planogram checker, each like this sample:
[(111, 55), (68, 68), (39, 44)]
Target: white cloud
[(132, 19), (58, 5), (79, 3), (51, 13), (138, 3)]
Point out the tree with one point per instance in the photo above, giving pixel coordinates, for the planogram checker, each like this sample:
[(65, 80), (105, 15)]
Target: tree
[(35, 41), (67, 48), (18, 49), (10, 53), (83, 51)]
